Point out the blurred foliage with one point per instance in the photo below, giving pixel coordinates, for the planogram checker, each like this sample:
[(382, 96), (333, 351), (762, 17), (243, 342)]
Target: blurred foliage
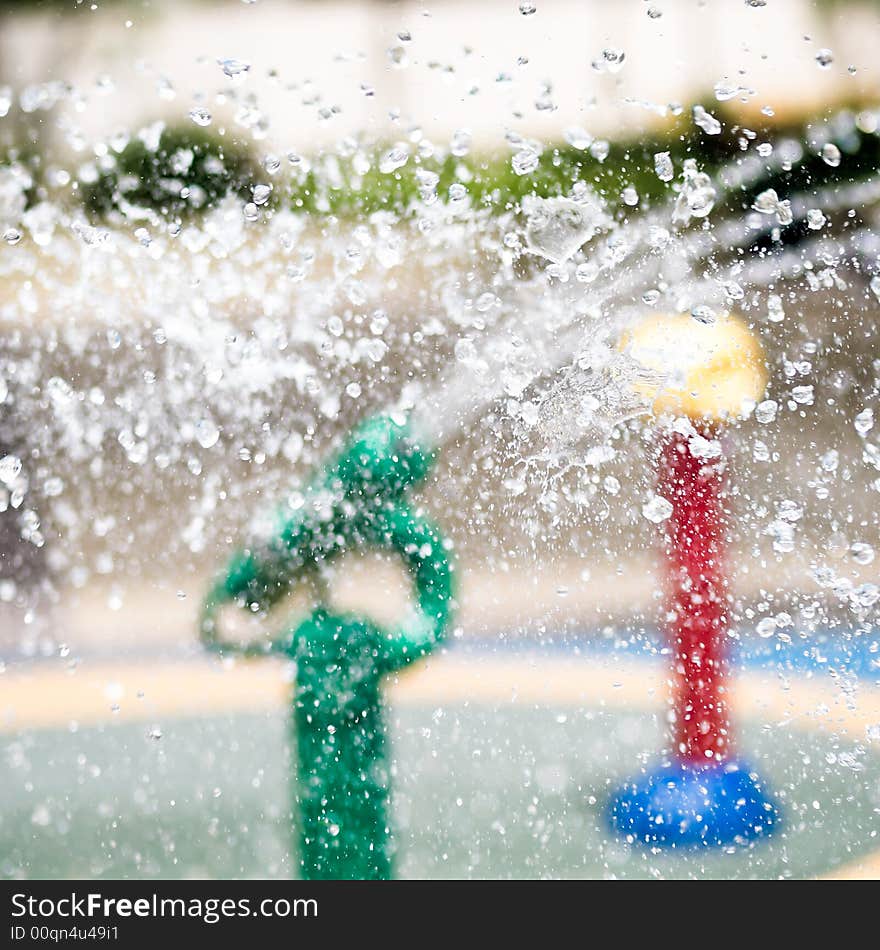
[(860, 158), (488, 181), (21, 153), (331, 185), (191, 169)]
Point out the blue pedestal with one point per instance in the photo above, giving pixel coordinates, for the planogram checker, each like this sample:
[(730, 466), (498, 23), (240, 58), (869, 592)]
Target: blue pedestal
[(681, 804)]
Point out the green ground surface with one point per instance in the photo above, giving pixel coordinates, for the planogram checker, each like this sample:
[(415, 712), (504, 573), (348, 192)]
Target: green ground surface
[(510, 793)]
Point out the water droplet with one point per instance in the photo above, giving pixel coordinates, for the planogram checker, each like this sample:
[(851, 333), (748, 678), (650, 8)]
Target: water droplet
[(261, 194), (765, 412), (864, 421), (457, 193), (725, 90), (460, 143), (200, 116), (830, 460), (207, 433), (10, 469), (706, 121), (824, 58), (375, 350), (527, 8), (53, 487), (775, 310), (704, 314), (831, 154), (578, 138), (815, 219), (613, 59), (428, 182), (393, 159), (658, 237), (557, 227), (600, 150), (766, 627), (802, 395), (733, 290), (234, 68), (663, 166), (767, 202), (697, 196), (657, 509), (485, 302), (525, 161), (397, 57)]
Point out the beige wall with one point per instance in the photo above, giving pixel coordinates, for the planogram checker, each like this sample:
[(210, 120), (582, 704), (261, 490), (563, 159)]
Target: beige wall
[(339, 44)]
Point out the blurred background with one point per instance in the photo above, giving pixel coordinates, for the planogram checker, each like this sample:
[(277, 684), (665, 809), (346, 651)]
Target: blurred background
[(324, 70), (233, 229), (291, 85)]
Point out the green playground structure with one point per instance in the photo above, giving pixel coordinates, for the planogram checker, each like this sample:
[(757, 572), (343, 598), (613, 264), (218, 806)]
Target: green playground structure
[(359, 501)]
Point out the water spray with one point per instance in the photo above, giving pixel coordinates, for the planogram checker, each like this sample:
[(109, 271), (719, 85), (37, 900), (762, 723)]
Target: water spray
[(361, 499), (704, 794)]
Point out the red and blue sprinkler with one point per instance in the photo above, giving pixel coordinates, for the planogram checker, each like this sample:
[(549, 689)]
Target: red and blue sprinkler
[(703, 794)]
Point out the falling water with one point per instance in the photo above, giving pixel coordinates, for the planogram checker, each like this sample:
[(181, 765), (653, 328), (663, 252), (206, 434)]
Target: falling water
[(278, 325)]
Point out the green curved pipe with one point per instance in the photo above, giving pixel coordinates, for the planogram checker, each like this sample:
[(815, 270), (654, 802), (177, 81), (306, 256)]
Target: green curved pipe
[(358, 501)]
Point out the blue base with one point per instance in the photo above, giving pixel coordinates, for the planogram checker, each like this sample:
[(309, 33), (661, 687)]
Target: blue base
[(681, 804)]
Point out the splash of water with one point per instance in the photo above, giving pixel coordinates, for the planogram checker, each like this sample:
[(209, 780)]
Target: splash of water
[(154, 348)]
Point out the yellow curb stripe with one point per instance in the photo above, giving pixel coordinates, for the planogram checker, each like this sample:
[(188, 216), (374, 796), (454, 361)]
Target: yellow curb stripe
[(866, 868), (112, 692)]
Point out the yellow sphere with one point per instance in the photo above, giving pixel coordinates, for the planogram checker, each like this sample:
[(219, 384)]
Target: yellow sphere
[(708, 371)]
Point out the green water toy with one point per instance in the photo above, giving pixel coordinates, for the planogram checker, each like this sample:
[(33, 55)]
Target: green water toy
[(360, 500)]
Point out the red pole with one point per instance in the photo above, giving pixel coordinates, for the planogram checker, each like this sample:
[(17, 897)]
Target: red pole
[(697, 605), (705, 795)]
